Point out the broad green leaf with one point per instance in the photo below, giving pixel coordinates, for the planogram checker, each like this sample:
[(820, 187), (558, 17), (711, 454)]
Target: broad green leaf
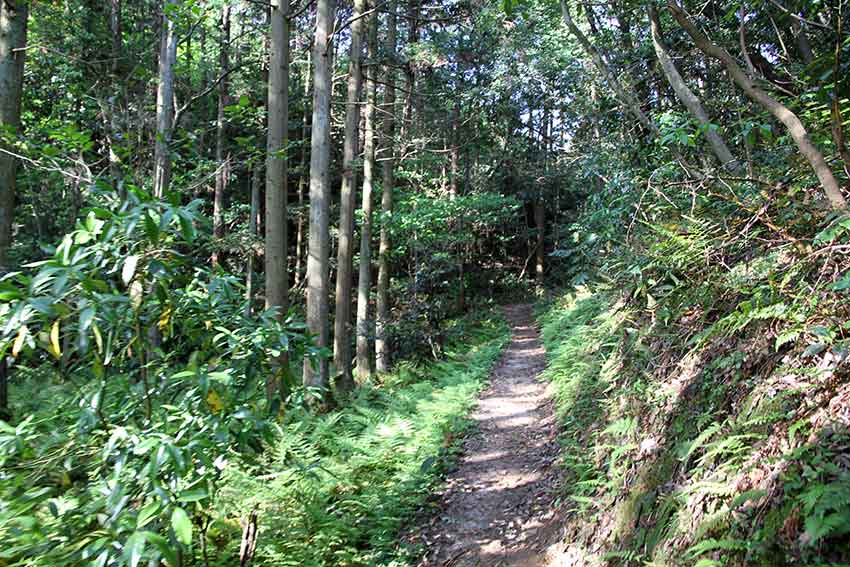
[(182, 526)]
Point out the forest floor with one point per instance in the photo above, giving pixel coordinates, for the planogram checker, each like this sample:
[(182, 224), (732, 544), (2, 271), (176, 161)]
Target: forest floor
[(498, 507)]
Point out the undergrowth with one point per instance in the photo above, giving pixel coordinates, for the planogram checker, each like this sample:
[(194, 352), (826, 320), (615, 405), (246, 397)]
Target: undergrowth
[(336, 489), (700, 441)]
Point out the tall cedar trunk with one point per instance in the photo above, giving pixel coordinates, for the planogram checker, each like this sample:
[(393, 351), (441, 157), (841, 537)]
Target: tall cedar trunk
[(410, 73), (165, 101), (835, 111), (319, 237), (115, 29), (222, 156), (539, 212), (453, 171), (253, 231), (302, 177), (453, 192), (276, 256), (382, 347), (344, 381), (363, 367), (111, 109), (688, 98), (781, 112), (13, 40)]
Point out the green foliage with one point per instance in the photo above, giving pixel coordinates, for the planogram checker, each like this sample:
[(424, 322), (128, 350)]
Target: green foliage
[(160, 378), (334, 489)]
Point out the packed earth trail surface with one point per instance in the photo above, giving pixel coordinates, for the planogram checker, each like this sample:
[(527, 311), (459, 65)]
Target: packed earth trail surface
[(498, 507)]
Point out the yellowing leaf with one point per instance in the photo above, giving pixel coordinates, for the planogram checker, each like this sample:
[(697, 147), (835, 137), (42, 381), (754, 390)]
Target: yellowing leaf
[(136, 294), (165, 318), (98, 338), (19, 340), (214, 401), (55, 349)]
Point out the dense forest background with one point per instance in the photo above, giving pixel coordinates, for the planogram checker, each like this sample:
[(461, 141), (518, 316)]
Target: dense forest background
[(249, 252)]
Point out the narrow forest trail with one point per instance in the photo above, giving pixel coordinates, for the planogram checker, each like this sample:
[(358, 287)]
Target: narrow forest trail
[(497, 507)]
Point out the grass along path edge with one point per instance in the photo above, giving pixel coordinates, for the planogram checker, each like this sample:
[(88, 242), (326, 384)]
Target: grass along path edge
[(335, 489)]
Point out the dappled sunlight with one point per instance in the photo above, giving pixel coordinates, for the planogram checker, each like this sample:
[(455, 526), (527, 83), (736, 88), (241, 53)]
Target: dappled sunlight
[(497, 505)]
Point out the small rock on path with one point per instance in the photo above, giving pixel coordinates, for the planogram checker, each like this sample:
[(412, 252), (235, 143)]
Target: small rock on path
[(497, 507)]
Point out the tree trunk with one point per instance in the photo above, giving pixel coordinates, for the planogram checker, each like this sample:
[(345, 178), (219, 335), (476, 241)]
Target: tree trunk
[(687, 97), (382, 347), (539, 222), (253, 231), (276, 253), (344, 381), (835, 112), (13, 40), (364, 279), (319, 237), (781, 112), (115, 29), (455, 149), (302, 177), (222, 157), (165, 102)]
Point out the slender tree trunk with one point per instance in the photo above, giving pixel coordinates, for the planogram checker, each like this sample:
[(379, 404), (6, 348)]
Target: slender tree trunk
[(319, 237), (835, 112), (795, 127), (253, 231), (345, 248), (382, 346), (364, 279), (13, 41), (455, 149), (276, 253), (115, 29), (111, 107), (302, 177), (165, 102), (687, 97), (410, 73), (222, 156)]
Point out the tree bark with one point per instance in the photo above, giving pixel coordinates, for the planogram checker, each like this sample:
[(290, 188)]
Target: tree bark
[(253, 231), (13, 41), (455, 149), (222, 156), (302, 177), (363, 367), (115, 29), (319, 237), (795, 127), (687, 97), (382, 347), (165, 102), (276, 253), (344, 380)]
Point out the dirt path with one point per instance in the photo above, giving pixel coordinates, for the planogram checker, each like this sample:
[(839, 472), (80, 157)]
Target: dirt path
[(497, 508)]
